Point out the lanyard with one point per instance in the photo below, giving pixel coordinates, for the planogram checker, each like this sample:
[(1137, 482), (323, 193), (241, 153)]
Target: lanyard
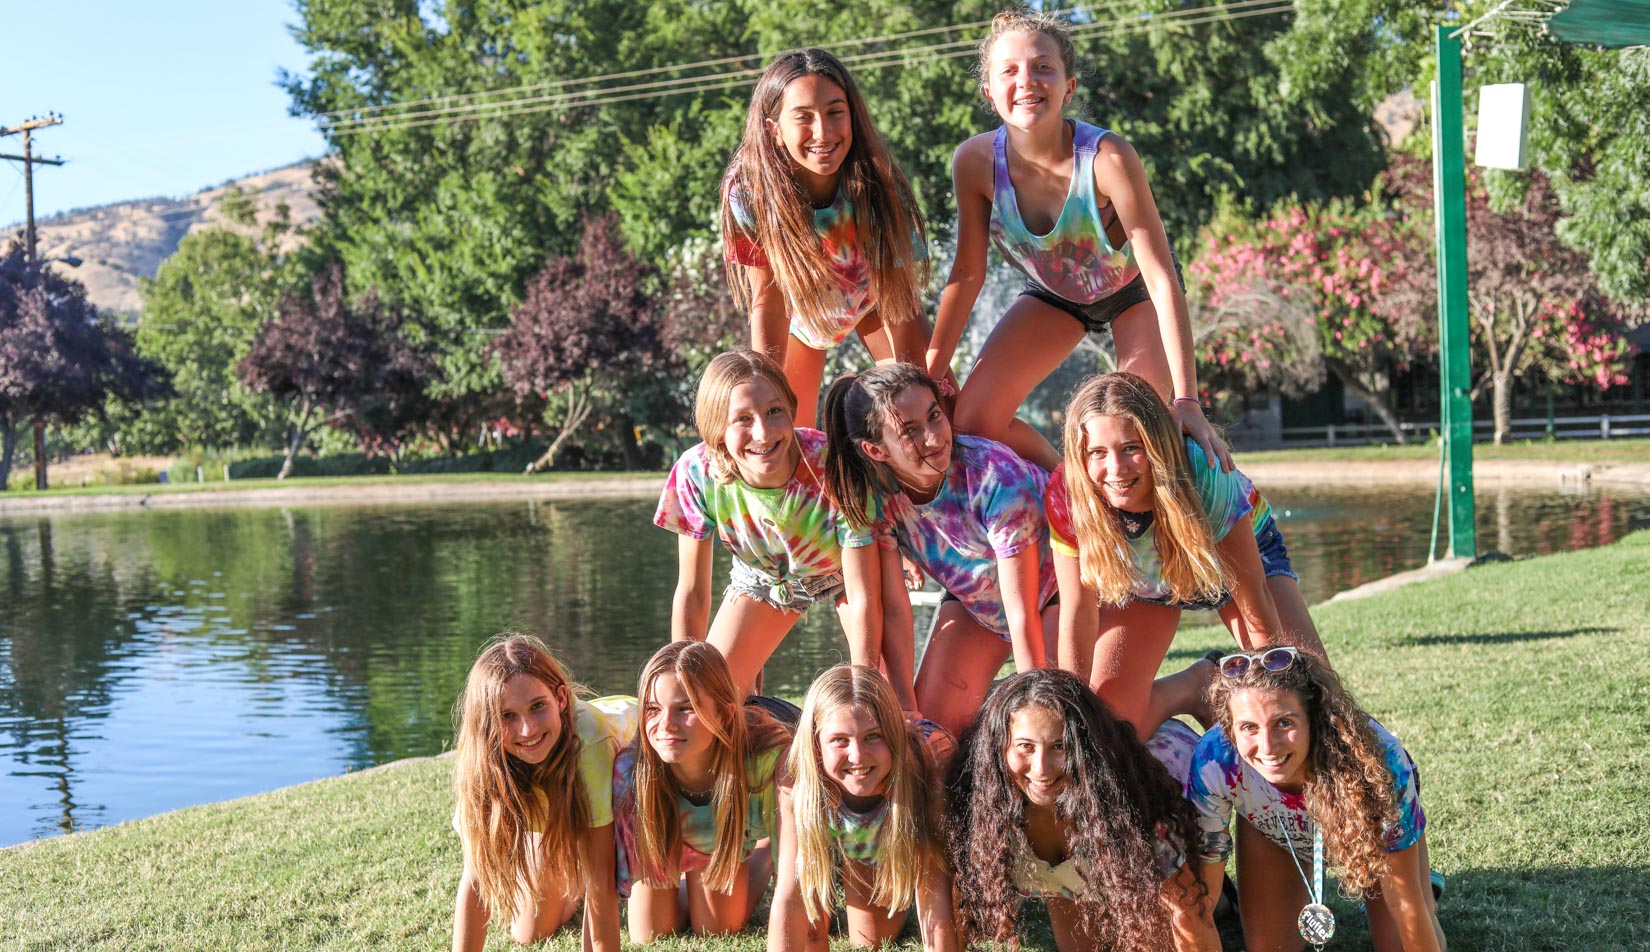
[(1316, 922)]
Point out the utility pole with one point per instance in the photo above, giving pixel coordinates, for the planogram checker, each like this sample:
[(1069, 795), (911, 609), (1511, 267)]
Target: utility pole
[(29, 161)]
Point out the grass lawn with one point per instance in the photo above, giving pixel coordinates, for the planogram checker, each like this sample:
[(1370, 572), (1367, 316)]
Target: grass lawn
[(1520, 688), (1560, 451), (314, 482)]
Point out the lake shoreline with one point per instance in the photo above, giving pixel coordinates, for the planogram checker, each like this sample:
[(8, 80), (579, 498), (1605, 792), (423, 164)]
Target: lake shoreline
[(1533, 474)]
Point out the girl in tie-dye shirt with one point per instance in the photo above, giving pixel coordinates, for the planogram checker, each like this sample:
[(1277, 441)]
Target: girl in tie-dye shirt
[(1067, 204), (694, 797), (864, 801), (1144, 529), (967, 511), (1293, 757), (822, 234), (756, 485)]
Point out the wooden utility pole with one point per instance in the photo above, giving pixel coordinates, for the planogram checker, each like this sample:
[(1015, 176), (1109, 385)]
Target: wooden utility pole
[(29, 161)]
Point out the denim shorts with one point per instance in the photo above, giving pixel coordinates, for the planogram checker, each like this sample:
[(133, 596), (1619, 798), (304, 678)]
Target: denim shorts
[(788, 595), (1098, 316), (1274, 555)]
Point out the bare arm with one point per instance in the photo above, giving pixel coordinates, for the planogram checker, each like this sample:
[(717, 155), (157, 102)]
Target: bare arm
[(690, 607), (899, 646), (1407, 889), (470, 916), (1079, 618), (1212, 875), (1018, 576), (971, 182), (1259, 617), (601, 892), (934, 913), (1119, 175), (861, 613), (770, 323), (788, 927)]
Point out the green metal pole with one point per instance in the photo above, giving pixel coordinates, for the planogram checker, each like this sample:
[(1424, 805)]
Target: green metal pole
[(1449, 181)]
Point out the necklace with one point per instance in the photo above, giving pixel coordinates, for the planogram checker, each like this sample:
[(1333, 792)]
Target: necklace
[(1316, 922), (1134, 524)]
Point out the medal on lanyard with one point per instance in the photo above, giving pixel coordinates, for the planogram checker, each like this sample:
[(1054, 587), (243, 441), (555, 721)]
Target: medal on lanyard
[(1316, 921)]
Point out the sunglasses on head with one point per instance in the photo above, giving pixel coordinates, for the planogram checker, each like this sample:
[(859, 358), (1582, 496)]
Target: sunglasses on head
[(1272, 659)]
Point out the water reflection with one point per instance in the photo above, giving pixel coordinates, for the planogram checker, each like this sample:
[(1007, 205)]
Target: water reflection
[(153, 660)]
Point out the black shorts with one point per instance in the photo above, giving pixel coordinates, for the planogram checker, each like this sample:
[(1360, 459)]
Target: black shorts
[(1098, 316)]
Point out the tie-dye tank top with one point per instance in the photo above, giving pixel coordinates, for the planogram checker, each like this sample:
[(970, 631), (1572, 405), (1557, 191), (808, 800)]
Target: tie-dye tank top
[(1075, 260)]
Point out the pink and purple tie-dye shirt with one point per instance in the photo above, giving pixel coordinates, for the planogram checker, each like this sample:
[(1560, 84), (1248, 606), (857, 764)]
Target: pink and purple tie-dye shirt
[(791, 532), (1075, 260), (840, 243), (989, 507), (1221, 784), (1227, 497)]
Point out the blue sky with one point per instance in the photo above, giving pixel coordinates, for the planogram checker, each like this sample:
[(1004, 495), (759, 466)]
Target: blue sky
[(164, 97)]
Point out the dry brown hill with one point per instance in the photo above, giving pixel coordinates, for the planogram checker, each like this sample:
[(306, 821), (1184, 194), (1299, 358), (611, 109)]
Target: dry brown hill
[(119, 243)]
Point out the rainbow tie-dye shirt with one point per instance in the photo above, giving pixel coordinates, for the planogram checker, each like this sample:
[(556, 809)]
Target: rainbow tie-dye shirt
[(840, 243), (698, 822), (1227, 497), (1221, 784), (791, 532), (1075, 260), (989, 507)]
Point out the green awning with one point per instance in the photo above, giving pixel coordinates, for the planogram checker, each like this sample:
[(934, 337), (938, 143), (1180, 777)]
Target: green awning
[(1613, 23)]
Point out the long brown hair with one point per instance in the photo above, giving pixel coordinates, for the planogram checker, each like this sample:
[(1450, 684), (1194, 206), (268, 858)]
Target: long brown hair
[(741, 732), (912, 834), (710, 406), (1192, 569), (1348, 786), (885, 209), (502, 799), (1117, 801)]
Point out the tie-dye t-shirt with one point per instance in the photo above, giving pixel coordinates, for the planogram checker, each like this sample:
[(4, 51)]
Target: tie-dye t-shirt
[(1227, 497), (839, 240), (1034, 878), (989, 507), (791, 532), (1075, 260), (698, 823), (856, 833), (604, 726), (1221, 784)]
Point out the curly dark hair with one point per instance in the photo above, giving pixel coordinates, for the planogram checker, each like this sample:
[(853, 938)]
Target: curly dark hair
[(1118, 800), (1348, 787)]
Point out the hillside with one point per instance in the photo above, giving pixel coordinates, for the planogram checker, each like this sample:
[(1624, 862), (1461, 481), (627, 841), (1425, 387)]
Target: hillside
[(122, 242)]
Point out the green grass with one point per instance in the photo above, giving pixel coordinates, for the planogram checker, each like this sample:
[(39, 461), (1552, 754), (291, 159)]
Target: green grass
[(1557, 451), (1520, 688), (318, 482)]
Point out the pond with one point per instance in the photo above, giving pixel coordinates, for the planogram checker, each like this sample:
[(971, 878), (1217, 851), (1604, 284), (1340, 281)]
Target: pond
[(154, 660)]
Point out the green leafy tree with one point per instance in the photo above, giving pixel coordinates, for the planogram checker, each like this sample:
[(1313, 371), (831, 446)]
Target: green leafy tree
[(201, 312)]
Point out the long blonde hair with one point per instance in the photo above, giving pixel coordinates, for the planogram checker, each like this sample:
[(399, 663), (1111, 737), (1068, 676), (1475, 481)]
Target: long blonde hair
[(1348, 788), (912, 833), (710, 405), (885, 210), (1192, 569), (502, 799), (741, 732)]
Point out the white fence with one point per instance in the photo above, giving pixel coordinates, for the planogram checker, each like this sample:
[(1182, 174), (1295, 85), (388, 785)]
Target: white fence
[(1602, 427)]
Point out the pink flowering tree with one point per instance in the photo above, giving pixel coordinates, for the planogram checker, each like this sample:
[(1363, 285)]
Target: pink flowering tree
[(1535, 306), (1296, 294)]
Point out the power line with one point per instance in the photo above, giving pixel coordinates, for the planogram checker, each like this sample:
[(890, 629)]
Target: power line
[(564, 101), (361, 113)]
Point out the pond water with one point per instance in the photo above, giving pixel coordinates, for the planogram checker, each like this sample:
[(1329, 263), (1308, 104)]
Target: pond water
[(154, 660)]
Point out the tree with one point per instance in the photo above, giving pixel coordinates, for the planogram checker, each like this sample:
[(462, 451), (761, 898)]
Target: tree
[(336, 363), (59, 358), (201, 313), (1535, 306), (1340, 258), (589, 335)]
